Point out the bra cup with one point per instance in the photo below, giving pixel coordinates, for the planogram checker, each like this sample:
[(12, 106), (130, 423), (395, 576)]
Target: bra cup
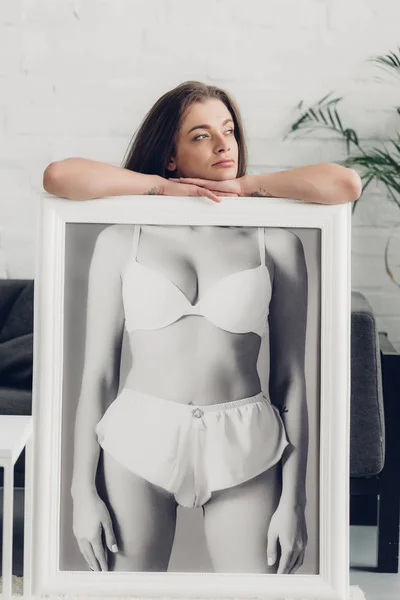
[(240, 303), (150, 301)]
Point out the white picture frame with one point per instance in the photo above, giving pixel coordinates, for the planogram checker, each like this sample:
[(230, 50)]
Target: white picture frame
[(42, 575)]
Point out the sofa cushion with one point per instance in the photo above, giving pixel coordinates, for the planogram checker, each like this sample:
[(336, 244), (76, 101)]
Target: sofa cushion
[(367, 429), (16, 359), (16, 308), (15, 402)]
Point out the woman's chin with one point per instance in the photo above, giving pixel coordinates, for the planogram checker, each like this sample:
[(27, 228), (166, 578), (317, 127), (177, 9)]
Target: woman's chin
[(223, 174), (214, 175)]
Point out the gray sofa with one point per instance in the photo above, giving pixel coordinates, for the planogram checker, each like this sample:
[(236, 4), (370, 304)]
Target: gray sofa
[(375, 403), (16, 354), (375, 433)]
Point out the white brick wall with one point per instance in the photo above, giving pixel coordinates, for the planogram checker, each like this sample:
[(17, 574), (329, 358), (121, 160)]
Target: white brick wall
[(77, 76)]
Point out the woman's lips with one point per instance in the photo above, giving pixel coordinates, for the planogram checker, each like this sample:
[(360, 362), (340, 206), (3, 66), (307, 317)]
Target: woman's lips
[(224, 164)]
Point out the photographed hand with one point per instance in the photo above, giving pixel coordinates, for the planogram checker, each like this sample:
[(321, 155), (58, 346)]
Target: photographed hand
[(229, 187), (288, 525), (90, 519), (177, 187)]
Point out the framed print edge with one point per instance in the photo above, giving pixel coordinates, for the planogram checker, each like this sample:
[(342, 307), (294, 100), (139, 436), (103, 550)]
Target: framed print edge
[(335, 395), (43, 574), (46, 383)]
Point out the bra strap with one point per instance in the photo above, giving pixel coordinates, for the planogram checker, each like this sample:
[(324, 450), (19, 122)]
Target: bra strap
[(261, 243), (135, 242)]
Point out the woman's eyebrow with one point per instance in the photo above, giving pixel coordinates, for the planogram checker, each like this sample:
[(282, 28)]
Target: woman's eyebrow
[(207, 126)]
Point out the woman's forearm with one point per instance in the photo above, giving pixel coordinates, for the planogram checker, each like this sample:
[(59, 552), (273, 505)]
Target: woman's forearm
[(323, 183), (84, 179), (91, 407), (294, 460), (86, 449)]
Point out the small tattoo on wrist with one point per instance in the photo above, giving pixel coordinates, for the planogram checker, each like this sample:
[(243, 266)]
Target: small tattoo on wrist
[(261, 194), (151, 192)]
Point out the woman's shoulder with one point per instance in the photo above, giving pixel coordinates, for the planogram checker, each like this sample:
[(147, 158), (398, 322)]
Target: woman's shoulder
[(280, 239), (114, 241), (115, 236), (112, 250), (285, 250)]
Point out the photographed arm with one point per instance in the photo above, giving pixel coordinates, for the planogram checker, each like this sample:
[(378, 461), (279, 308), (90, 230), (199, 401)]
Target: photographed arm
[(104, 330), (84, 179), (288, 320), (323, 183)]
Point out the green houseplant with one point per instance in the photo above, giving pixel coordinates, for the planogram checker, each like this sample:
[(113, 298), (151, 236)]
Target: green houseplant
[(381, 164)]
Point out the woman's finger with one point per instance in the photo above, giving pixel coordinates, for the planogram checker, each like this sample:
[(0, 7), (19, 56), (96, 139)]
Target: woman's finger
[(198, 191), (298, 562), (100, 554), (186, 189), (205, 183), (285, 561), (224, 186), (82, 551), (292, 561), (221, 188), (229, 186), (109, 535), (87, 551), (272, 547)]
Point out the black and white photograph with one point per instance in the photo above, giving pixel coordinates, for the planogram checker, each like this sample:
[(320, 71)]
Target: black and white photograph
[(190, 401), (191, 388)]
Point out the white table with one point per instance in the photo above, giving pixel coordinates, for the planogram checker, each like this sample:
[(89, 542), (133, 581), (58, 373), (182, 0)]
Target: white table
[(15, 431)]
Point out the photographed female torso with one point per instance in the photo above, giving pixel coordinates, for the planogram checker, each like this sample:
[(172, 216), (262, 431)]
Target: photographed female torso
[(196, 307)]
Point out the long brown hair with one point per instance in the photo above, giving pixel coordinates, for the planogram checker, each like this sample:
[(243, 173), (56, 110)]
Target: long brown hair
[(155, 141)]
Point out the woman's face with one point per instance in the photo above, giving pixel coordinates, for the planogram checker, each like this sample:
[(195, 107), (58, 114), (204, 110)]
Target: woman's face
[(206, 137)]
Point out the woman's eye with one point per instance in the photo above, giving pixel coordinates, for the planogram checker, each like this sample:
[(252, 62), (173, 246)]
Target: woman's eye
[(202, 135)]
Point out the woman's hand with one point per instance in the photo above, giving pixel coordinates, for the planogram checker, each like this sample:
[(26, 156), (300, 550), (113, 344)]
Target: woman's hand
[(90, 519), (174, 188), (229, 187), (202, 187), (288, 525), (182, 187)]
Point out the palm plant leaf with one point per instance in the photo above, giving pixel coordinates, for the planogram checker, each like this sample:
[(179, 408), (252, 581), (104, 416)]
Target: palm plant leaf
[(314, 113), (375, 163), (389, 62), (321, 114), (338, 119), (390, 59), (353, 137), (379, 164), (335, 125), (324, 116)]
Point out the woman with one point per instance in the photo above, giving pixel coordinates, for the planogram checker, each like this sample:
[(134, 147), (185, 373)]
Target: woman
[(192, 425)]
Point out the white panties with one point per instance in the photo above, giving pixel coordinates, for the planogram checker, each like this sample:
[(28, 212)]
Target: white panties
[(192, 450)]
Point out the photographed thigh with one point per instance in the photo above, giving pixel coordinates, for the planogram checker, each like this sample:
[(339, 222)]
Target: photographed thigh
[(143, 517), (237, 521)]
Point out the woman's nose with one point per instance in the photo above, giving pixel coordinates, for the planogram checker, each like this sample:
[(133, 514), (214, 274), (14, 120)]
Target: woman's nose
[(222, 143)]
